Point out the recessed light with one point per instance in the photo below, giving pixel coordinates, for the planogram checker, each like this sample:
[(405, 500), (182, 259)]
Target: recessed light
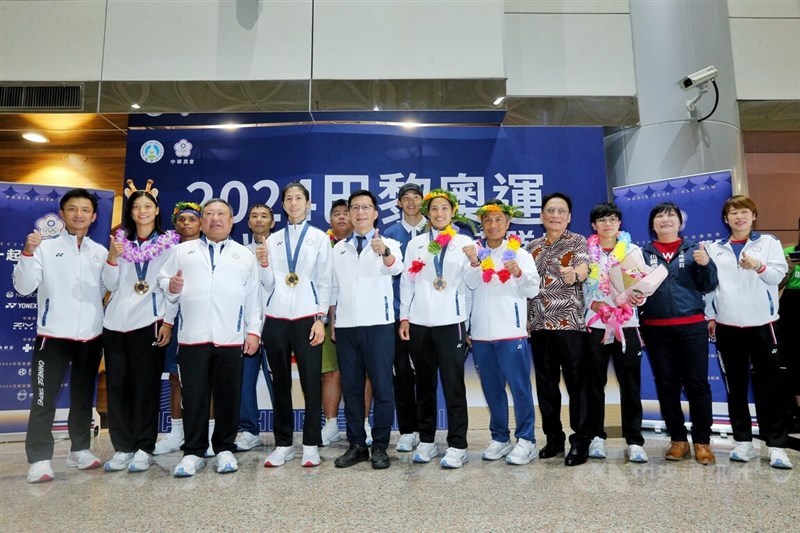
[(499, 100), (135, 106), (35, 137)]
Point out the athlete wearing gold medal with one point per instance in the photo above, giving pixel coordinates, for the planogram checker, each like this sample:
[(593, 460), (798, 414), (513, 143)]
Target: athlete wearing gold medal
[(441, 266), (134, 333), (296, 273)]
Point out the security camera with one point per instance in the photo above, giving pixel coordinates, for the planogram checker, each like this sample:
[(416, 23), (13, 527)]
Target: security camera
[(699, 78)]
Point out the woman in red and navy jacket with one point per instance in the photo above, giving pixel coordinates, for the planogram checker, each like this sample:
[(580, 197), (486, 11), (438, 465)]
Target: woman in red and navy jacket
[(673, 325)]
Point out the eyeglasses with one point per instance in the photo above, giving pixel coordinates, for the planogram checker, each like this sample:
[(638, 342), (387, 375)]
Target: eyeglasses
[(366, 208), (556, 211), (607, 220)]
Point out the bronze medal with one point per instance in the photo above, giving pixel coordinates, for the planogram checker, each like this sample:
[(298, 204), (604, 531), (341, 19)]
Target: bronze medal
[(439, 283), (141, 287), (292, 279)]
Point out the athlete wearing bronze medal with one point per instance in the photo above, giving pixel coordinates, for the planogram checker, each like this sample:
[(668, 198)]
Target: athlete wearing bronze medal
[(134, 333), (296, 272), (441, 266)]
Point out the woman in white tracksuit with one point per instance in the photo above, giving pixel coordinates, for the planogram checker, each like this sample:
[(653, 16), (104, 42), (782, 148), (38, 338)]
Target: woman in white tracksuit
[(296, 276), (742, 311), (441, 266), (135, 335)]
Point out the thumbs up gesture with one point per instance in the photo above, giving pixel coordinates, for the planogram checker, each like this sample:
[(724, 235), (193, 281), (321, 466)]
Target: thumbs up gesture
[(749, 263), (32, 242), (262, 254), (377, 243), (176, 282), (700, 255)]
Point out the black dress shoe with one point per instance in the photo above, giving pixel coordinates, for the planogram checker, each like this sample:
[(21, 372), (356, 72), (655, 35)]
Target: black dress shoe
[(355, 454), (550, 450), (577, 456), (379, 459)]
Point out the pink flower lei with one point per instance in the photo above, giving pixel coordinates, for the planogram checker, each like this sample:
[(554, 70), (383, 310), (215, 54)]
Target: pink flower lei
[(147, 251)]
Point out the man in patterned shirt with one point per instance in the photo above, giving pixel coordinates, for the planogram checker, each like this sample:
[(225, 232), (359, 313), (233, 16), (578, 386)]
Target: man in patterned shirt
[(558, 335)]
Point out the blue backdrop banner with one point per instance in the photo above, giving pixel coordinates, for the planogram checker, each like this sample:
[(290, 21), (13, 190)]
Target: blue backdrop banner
[(517, 164), (24, 207), (700, 198)]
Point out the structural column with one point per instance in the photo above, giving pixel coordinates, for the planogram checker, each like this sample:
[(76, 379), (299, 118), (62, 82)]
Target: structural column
[(671, 39)]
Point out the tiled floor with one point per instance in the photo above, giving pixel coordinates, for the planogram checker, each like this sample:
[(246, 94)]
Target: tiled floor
[(609, 494)]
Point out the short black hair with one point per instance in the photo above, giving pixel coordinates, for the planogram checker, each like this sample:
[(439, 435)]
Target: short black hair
[(341, 202), (260, 206), (296, 185), (663, 207), (604, 209), (558, 195), (78, 193), (373, 199)]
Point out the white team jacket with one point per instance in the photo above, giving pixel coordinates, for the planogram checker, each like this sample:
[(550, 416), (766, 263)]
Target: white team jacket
[(423, 305), (597, 296), (500, 310), (362, 285), (744, 298), (126, 310), (69, 280), (219, 307), (312, 294)]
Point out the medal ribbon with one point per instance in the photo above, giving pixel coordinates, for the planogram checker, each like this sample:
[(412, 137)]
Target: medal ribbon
[(141, 268), (291, 258), (438, 259)]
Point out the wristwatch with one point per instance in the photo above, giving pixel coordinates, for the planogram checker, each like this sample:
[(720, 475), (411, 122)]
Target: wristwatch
[(322, 318), (386, 252)]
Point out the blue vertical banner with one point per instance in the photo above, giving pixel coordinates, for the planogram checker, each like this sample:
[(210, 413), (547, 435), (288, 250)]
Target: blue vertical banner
[(23, 208), (519, 165), (700, 198)]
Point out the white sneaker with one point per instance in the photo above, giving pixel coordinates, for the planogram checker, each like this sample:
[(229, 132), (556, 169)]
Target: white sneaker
[(171, 443), (226, 463), (140, 462), (368, 430), (189, 466), (330, 432), (743, 452), (454, 458), (636, 454), (279, 455), (425, 452), (40, 472), (310, 456), (120, 461), (407, 442), (779, 459), (597, 448), (523, 453), (496, 450), (247, 441), (83, 460)]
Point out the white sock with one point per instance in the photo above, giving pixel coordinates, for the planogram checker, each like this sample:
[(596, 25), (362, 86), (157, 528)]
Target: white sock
[(211, 424), (331, 421), (177, 427)]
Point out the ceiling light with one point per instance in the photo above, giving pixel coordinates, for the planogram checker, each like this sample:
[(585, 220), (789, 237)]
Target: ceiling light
[(135, 106), (35, 137), (498, 100)]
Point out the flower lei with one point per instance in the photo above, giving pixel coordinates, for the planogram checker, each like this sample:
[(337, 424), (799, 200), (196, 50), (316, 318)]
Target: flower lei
[(149, 250), (508, 210), (487, 263), (598, 280), (434, 247), (332, 237)]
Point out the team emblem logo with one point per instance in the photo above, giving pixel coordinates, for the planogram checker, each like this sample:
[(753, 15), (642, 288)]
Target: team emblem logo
[(49, 226), (152, 152), (183, 148)]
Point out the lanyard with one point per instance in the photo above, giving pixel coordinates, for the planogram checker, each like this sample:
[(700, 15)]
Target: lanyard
[(438, 259), (141, 268), (291, 258)]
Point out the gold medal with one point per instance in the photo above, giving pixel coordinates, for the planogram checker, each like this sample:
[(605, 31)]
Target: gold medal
[(292, 279), (439, 283), (141, 287)]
